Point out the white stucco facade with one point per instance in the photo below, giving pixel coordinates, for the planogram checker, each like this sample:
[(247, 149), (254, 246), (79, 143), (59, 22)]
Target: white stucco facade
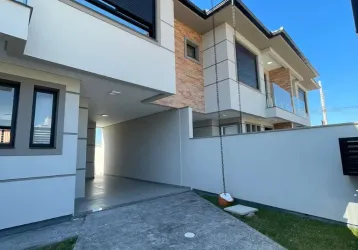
[(33, 179), (90, 44), (83, 54), (252, 101)]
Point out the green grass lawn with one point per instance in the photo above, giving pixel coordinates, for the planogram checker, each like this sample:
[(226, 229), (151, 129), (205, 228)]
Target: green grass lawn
[(68, 244), (297, 232)]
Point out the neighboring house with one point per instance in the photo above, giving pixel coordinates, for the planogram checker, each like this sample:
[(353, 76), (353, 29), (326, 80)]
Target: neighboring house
[(69, 66), (355, 13), (273, 73)]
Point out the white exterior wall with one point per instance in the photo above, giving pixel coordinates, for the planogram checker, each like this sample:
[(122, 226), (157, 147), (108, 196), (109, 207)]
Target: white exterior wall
[(87, 43), (35, 188), (288, 173), (252, 101), (14, 19), (298, 170), (146, 148), (82, 148)]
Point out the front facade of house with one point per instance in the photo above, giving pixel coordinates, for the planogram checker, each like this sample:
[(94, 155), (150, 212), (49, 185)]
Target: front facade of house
[(69, 66)]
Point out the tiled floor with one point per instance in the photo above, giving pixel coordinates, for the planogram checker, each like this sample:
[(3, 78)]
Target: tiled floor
[(108, 191)]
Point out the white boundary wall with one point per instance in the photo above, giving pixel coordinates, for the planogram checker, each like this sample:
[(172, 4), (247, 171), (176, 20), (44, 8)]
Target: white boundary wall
[(298, 170)]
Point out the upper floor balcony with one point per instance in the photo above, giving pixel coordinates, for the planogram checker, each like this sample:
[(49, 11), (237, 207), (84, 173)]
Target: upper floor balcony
[(130, 41), (14, 24), (282, 105)]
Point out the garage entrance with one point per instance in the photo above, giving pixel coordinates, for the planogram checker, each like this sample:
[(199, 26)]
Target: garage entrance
[(109, 191)]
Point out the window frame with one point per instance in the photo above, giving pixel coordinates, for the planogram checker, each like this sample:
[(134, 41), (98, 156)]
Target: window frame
[(253, 126), (15, 108), (55, 93), (237, 43), (188, 42), (125, 15), (304, 97)]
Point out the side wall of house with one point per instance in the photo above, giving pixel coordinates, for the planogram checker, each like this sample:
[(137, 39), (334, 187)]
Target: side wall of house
[(39, 184), (189, 73), (146, 148)]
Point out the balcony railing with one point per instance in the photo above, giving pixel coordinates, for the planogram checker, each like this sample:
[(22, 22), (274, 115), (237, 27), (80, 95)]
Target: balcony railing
[(300, 107), (281, 98)]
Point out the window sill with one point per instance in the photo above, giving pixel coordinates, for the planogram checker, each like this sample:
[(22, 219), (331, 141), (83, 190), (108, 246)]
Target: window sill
[(7, 147), (192, 59), (249, 87)]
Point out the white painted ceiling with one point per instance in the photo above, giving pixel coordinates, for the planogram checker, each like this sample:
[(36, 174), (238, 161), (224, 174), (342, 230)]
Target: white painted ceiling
[(269, 62), (125, 106)]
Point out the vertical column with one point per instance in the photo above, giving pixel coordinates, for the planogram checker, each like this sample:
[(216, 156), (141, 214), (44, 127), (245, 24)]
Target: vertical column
[(293, 93), (269, 91), (82, 148), (165, 24), (223, 69), (91, 147)]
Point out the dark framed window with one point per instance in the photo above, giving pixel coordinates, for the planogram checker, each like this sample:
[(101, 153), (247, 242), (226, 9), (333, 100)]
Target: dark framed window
[(44, 115), (192, 50), (250, 128), (246, 66), (302, 97), (138, 15), (9, 99)]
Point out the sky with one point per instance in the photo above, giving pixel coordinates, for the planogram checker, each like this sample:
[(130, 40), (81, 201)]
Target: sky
[(325, 33)]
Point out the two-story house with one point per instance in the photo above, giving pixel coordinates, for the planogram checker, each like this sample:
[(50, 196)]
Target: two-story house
[(69, 66), (263, 77)]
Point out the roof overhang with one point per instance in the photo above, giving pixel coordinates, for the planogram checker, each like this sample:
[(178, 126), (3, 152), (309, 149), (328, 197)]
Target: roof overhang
[(251, 28)]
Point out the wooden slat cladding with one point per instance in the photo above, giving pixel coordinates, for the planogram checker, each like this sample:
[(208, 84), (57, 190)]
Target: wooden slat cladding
[(349, 155)]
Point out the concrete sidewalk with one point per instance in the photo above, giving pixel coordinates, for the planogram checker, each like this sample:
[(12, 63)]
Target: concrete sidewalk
[(155, 224)]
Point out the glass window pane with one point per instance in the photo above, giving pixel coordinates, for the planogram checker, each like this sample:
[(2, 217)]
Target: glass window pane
[(7, 103), (246, 67), (301, 95), (43, 118), (248, 128), (190, 50), (258, 128), (112, 16)]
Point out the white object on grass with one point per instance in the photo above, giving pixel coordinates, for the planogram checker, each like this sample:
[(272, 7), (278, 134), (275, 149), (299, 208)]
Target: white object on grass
[(241, 210), (227, 197), (189, 235)]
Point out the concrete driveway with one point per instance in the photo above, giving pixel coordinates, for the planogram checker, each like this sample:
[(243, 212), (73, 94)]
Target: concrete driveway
[(155, 224)]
